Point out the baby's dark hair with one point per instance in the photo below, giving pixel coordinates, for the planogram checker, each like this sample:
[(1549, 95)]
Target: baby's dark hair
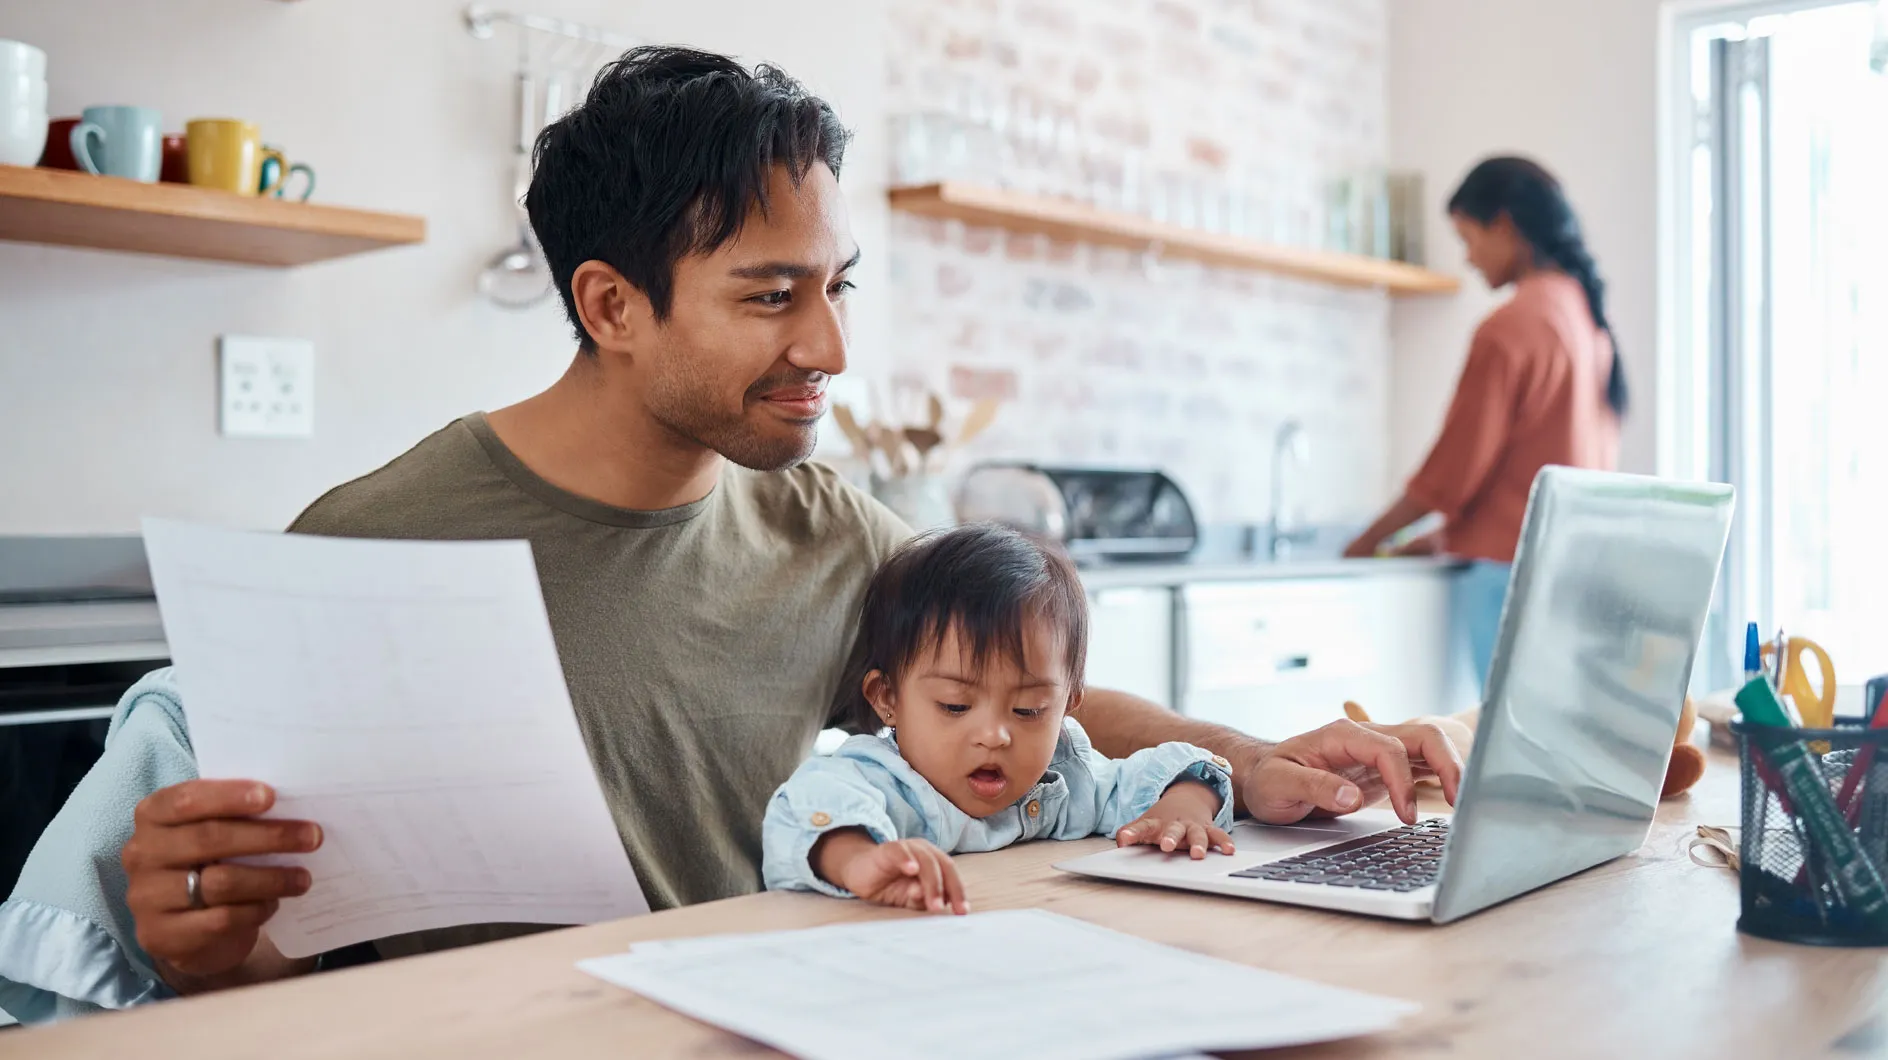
[(985, 581)]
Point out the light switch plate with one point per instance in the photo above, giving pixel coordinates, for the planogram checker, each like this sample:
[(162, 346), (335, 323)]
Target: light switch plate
[(267, 387)]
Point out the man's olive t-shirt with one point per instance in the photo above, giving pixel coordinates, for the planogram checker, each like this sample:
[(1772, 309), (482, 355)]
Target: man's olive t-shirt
[(701, 644)]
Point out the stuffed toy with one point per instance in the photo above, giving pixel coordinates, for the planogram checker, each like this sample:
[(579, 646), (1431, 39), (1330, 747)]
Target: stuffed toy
[(1682, 770)]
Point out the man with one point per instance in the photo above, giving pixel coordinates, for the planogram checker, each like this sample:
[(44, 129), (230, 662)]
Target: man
[(701, 578)]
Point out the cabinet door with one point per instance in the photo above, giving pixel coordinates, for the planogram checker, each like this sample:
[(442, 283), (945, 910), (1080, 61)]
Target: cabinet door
[(1278, 658), (1130, 642), (1425, 665)]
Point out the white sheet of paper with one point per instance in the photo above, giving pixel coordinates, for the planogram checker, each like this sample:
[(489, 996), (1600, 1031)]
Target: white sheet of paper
[(407, 697), (1012, 983)]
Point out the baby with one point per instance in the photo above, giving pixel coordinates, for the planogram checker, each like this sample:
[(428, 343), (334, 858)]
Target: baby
[(965, 674)]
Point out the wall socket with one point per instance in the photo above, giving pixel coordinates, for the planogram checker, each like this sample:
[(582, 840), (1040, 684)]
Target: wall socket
[(267, 387)]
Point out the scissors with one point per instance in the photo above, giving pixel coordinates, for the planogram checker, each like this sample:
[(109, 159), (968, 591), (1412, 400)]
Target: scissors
[(1818, 709)]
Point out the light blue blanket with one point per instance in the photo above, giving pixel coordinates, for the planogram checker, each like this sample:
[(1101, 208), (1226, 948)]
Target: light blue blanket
[(67, 942)]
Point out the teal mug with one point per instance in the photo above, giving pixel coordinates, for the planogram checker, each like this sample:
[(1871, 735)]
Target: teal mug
[(120, 142), (274, 181)]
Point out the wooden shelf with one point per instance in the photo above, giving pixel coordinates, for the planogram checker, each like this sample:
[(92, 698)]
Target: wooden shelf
[(112, 213), (1076, 222)]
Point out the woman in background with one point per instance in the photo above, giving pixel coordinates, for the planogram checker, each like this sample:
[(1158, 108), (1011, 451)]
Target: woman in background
[(1542, 385)]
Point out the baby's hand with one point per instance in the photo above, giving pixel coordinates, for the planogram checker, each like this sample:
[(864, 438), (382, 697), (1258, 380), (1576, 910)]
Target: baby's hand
[(1182, 817), (906, 874)]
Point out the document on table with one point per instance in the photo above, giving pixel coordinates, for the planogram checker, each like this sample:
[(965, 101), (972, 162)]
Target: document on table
[(1013, 983), (407, 697)]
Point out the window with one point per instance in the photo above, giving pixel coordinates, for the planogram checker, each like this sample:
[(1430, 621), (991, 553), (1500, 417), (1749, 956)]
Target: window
[(1777, 261)]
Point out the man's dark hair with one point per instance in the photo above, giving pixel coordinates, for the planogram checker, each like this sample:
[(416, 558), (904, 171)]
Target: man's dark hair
[(664, 158), (983, 580)]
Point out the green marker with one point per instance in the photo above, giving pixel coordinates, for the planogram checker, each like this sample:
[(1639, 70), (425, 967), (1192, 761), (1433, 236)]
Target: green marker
[(1855, 878)]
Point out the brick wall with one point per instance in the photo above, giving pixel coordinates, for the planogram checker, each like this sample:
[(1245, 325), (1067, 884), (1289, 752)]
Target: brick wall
[(1107, 357)]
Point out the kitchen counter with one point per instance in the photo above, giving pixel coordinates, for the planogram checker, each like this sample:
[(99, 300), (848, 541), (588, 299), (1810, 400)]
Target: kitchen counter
[(1155, 574)]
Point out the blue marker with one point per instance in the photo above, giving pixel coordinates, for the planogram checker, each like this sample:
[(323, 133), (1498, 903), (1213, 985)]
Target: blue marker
[(1753, 653)]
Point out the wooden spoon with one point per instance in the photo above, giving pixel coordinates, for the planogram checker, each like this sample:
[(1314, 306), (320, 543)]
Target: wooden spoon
[(925, 440), (842, 415), (892, 445), (981, 416)]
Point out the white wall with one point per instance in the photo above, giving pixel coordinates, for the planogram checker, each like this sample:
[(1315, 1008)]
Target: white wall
[(107, 361), (1575, 86)]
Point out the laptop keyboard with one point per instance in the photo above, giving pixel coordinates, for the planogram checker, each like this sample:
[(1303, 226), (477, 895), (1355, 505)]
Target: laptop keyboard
[(1401, 859)]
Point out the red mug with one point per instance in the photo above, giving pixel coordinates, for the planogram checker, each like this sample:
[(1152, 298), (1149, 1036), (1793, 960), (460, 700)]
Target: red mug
[(58, 152), (176, 167)]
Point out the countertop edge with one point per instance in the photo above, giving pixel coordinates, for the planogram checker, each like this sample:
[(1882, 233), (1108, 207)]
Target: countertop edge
[(1170, 575)]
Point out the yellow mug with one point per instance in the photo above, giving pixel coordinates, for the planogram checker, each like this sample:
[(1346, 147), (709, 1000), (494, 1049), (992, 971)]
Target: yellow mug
[(227, 153)]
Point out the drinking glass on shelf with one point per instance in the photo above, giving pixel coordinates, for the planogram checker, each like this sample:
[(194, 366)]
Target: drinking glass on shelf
[(912, 159), (1375, 214), (1001, 155), (1101, 176), (984, 117), (1406, 214), (1024, 153), (1187, 203), (1235, 202), (1300, 222), (1041, 140), (1134, 190), (1163, 197), (1066, 148), (1337, 215), (1216, 206), (1259, 201)]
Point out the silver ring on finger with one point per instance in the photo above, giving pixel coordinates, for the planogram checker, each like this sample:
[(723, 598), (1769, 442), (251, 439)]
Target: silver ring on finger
[(193, 889)]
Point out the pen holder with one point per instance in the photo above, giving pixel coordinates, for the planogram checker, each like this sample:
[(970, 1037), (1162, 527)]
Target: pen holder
[(1812, 871)]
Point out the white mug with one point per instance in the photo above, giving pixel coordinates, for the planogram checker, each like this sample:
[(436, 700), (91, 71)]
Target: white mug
[(22, 118), (19, 57)]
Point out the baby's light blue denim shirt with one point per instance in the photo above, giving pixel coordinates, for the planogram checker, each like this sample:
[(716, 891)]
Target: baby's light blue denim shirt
[(867, 784)]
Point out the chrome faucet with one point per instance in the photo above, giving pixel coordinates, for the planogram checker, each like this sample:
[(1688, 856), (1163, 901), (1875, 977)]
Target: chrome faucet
[(1290, 442)]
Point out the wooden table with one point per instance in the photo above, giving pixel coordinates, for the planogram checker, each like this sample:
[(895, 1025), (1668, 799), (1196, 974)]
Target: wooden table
[(1638, 958)]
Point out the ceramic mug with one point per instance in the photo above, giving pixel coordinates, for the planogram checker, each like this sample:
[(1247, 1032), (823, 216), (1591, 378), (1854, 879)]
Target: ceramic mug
[(274, 182), (120, 142), (19, 57), (22, 120), (22, 103), (176, 166), (58, 153), (227, 153)]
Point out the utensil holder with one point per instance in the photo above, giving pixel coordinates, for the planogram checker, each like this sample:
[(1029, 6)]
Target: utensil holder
[(922, 500), (1788, 877)]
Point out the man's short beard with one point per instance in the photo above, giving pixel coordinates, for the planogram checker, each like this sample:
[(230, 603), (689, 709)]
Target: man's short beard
[(738, 441)]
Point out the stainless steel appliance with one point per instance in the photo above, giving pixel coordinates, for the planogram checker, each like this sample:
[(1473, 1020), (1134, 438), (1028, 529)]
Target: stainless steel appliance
[(1097, 513), (78, 625)]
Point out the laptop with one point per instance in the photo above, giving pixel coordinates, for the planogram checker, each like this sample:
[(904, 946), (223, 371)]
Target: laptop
[(1611, 584)]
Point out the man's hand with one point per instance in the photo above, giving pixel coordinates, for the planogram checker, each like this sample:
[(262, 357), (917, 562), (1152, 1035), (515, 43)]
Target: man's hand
[(1180, 819), (906, 874), (1345, 766), (199, 824)]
